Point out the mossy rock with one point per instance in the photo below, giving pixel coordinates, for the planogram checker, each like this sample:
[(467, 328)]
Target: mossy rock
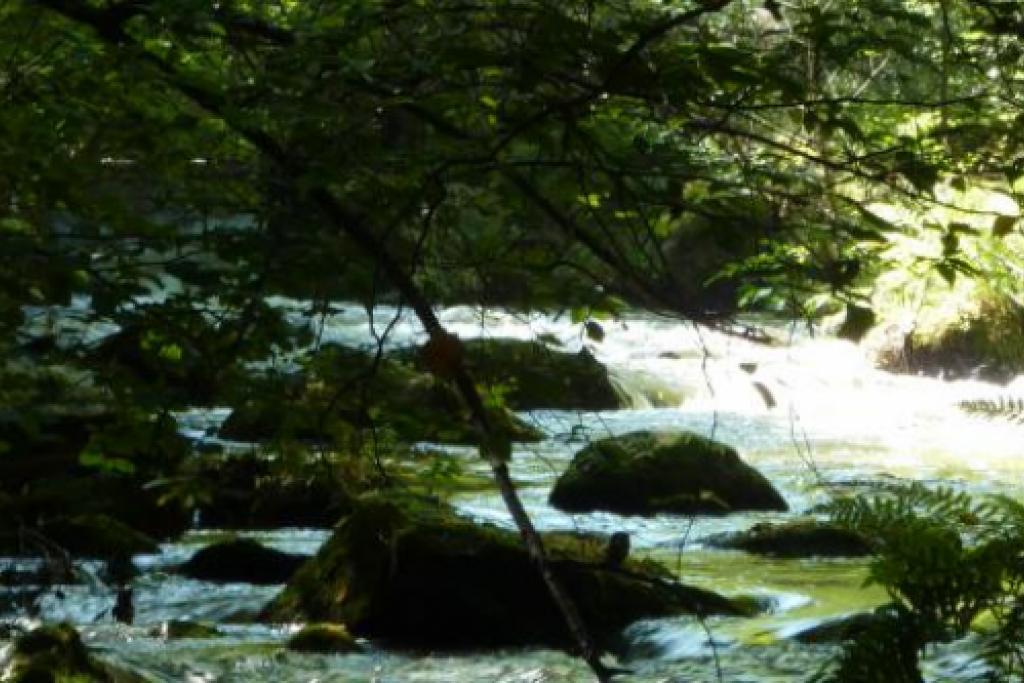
[(644, 473), (310, 407), (178, 629), (44, 472), (91, 535), (839, 629), (99, 536), (250, 493), (324, 639), (799, 538), (124, 498), (51, 654), (412, 572), (242, 561), (986, 342), (535, 377)]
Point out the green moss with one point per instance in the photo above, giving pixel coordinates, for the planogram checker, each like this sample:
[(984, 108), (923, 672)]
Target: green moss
[(177, 629), (99, 536), (54, 653), (410, 402), (800, 538), (89, 535), (535, 377), (412, 571), (242, 560), (988, 342), (646, 472), (323, 639), (256, 493)]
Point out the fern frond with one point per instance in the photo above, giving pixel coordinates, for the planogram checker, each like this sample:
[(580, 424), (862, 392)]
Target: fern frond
[(1009, 408), (900, 507)]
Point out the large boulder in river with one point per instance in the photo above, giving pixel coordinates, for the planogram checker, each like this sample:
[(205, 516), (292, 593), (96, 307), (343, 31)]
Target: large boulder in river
[(644, 473), (412, 572), (342, 388), (534, 376)]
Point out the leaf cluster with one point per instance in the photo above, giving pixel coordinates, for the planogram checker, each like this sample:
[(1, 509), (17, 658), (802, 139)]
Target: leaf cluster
[(946, 560)]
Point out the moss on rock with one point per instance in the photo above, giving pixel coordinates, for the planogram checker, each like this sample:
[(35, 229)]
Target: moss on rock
[(54, 653), (986, 342), (243, 561), (536, 377), (412, 572), (178, 629), (48, 474), (253, 493), (323, 639), (98, 536), (799, 538), (840, 629), (644, 473), (326, 400)]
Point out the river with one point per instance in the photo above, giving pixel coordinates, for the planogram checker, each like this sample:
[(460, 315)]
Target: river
[(810, 412)]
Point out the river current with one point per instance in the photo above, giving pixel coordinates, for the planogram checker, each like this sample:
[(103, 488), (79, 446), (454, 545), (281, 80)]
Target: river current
[(808, 411)]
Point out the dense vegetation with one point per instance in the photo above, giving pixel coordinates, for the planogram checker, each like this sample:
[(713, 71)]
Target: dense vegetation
[(168, 166)]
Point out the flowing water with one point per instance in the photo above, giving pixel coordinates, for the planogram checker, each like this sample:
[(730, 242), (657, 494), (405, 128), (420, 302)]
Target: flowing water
[(810, 413)]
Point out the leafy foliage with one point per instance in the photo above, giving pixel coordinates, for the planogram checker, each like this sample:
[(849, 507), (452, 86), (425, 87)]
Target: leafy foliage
[(945, 560)]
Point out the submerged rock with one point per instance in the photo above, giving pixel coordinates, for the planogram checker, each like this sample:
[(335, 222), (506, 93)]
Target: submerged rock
[(644, 473), (242, 561), (838, 629), (412, 572), (799, 538), (177, 629), (53, 653), (324, 639)]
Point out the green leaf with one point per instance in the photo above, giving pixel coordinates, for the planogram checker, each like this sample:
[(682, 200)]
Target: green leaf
[(171, 352), (1004, 225), (97, 460)]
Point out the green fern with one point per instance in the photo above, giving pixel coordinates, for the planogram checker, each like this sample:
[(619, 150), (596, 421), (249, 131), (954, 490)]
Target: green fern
[(1002, 647), (944, 558), (1005, 407)]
